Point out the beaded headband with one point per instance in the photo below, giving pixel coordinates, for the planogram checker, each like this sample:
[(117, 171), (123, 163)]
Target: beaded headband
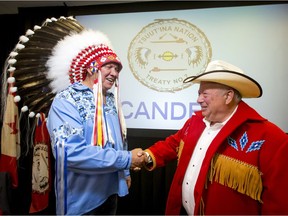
[(94, 57)]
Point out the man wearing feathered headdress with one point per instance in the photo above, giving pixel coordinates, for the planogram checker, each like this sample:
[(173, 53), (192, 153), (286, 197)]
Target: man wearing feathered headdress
[(87, 127), (68, 72)]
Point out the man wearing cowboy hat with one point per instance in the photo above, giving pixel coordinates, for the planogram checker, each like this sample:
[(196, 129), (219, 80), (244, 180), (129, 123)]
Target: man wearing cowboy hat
[(231, 160)]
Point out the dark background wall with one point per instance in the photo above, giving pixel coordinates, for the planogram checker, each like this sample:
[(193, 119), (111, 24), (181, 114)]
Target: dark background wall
[(149, 190)]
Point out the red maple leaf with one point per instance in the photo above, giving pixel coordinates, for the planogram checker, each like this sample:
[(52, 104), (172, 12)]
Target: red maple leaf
[(13, 125)]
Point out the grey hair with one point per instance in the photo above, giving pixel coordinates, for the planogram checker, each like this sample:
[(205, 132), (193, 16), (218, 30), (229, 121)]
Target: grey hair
[(237, 96)]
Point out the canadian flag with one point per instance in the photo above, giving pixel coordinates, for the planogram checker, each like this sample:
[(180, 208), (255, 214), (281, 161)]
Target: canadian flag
[(41, 173), (10, 137)]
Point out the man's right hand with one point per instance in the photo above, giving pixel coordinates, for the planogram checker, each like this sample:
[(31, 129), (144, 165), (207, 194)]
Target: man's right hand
[(139, 158)]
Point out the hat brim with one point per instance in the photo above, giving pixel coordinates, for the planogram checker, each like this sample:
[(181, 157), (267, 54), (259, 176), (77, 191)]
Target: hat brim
[(247, 87)]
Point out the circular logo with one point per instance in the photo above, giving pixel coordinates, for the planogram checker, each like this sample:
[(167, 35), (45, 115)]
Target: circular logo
[(166, 52)]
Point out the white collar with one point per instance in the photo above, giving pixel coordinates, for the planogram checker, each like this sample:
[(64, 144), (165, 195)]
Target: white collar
[(219, 124)]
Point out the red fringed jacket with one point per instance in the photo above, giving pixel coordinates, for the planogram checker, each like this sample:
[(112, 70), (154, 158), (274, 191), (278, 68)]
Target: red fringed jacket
[(245, 170)]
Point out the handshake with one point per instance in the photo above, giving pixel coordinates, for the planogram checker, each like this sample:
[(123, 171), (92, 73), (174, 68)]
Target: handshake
[(139, 159)]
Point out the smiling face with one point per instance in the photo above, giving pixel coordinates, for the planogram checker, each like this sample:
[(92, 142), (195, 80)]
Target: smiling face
[(216, 101), (110, 72)]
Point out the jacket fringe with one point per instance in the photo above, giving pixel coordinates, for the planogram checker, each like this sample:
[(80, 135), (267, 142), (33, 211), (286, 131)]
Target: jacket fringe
[(238, 175), (179, 150)]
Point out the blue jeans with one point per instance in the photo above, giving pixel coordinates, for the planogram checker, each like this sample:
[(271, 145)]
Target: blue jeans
[(109, 207)]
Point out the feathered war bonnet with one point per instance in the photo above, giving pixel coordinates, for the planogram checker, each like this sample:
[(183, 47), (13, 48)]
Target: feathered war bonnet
[(49, 58), (74, 54)]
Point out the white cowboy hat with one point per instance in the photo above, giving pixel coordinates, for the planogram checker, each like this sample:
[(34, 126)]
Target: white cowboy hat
[(224, 73)]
